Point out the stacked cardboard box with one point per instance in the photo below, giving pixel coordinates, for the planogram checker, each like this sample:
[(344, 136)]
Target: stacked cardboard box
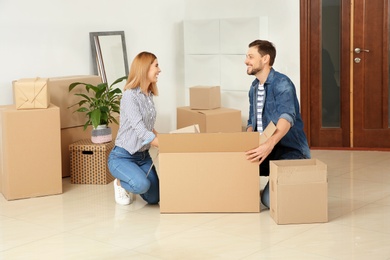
[(205, 97), (206, 111), (30, 93), (30, 152)]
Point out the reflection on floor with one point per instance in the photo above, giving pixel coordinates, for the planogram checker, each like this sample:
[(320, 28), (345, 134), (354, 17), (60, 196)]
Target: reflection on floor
[(85, 223)]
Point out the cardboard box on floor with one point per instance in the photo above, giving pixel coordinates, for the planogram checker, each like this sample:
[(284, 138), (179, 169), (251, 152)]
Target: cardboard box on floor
[(89, 162), (298, 191), (205, 97), (208, 172), (30, 152), (74, 134), (224, 120)]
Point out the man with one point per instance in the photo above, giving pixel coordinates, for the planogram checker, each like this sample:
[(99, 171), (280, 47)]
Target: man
[(272, 97)]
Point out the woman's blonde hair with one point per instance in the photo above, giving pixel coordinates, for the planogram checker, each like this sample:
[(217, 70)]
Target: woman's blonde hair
[(138, 75)]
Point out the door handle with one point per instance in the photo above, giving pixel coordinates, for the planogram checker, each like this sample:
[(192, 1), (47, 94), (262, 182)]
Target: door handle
[(358, 50), (357, 60)]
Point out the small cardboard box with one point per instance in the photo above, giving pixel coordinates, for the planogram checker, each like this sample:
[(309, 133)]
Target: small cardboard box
[(60, 96), (30, 152), (224, 120), (298, 191), (205, 97), (31, 93), (88, 162), (73, 134), (208, 172)]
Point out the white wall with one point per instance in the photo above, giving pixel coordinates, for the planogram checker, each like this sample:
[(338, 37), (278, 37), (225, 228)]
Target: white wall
[(48, 38), (283, 21)]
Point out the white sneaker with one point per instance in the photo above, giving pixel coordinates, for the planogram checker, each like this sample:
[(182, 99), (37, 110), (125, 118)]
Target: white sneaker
[(122, 196)]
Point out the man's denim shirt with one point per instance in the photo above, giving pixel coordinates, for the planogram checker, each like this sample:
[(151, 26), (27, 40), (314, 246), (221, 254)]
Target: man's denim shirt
[(280, 102)]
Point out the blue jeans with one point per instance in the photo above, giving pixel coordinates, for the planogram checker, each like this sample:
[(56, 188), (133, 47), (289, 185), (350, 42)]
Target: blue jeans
[(131, 170), (278, 153)]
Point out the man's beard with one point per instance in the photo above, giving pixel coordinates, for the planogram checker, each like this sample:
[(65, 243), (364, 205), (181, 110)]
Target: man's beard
[(253, 71)]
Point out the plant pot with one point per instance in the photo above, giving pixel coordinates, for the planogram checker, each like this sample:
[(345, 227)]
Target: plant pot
[(101, 134)]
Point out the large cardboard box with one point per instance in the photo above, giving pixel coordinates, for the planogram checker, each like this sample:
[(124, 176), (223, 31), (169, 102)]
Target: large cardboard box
[(205, 97), (60, 96), (31, 93), (298, 191), (30, 152), (208, 172), (89, 162), (224, 120)]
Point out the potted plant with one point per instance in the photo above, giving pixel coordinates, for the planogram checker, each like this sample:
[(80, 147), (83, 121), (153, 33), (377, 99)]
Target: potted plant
[(100, 107)]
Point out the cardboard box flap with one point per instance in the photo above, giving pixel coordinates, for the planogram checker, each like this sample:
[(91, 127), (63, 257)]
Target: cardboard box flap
[(300, 172), (189, 129), (268, 132), (207, 142)]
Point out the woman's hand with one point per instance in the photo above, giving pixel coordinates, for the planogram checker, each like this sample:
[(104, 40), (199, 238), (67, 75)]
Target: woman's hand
[(154, 142)]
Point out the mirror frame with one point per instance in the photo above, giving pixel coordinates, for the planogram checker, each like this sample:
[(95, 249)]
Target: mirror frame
[(98, 64)]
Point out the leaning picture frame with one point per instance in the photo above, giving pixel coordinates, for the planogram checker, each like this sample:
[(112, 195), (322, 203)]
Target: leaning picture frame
[(109, 55)]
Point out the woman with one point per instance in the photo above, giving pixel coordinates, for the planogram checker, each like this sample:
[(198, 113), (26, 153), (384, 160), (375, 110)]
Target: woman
[(129, 161)]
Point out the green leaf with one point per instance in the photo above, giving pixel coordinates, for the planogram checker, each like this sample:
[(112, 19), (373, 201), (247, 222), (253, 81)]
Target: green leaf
[(83, 95), (115, 121), (94, 88), (104, 109), (95, 117), (82, 109), (118, 80), (86, 125)]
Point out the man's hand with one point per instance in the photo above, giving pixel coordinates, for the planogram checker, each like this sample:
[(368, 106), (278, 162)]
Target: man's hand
[(260, 153)]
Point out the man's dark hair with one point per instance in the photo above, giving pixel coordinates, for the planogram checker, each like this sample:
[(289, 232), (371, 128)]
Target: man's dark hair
[(264, 48)]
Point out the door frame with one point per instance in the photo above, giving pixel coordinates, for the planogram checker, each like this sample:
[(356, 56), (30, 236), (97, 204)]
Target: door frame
[(304, 66)]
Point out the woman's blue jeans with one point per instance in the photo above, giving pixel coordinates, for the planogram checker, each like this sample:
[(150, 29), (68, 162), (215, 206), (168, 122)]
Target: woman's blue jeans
[(131, 170), (278, 153)]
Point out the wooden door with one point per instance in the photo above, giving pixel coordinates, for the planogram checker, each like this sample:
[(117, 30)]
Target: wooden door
[(370, 54), (345, 103)]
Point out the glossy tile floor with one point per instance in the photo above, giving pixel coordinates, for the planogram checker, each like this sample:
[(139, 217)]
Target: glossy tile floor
[(85, 223)]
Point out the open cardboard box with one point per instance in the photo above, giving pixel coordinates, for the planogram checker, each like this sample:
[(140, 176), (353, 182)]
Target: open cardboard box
[(298, 191), (208, 172)]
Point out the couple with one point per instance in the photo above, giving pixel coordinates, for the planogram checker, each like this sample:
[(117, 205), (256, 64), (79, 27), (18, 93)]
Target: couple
[(272, 97)]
